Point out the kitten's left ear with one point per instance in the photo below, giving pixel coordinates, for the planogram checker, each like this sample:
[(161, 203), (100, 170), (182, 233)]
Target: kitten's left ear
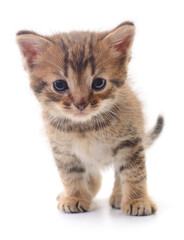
[(31, 46), (121, 38)]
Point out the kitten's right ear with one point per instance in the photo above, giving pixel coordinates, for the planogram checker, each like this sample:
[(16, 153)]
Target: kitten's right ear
[(31, 46), (121, 38)]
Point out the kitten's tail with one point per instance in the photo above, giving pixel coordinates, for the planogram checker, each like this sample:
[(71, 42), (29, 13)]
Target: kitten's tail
[(154, 133)]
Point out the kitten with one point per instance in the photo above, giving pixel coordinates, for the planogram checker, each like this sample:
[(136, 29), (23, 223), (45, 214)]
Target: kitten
[(92, 117)]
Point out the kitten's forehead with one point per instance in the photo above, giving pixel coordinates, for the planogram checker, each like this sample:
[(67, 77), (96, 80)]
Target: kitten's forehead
[(78, 50)]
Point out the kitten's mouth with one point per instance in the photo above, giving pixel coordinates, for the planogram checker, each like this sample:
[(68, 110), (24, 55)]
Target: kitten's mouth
[(81, 114), (78, 115)]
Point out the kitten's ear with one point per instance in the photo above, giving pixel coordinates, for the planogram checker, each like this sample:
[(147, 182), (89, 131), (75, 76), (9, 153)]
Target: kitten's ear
[(121, 38), (31, 46)]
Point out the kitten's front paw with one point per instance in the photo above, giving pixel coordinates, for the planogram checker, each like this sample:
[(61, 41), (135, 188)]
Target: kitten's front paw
[(73, 205), (115, 201), (139, 207)]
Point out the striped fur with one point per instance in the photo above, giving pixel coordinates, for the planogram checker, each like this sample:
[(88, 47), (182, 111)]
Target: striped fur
[(108, 128)]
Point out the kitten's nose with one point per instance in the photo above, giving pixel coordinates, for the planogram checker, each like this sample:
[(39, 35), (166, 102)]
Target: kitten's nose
[(81, 105)]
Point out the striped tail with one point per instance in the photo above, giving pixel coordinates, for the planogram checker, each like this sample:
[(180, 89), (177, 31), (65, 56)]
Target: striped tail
[(154, 133)]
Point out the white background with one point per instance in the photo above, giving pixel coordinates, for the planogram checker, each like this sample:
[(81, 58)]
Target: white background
[(29, 181)]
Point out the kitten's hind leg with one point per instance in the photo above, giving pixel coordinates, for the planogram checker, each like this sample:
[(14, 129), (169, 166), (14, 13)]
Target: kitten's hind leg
[(116, 196), (94, 181), (132, 171)]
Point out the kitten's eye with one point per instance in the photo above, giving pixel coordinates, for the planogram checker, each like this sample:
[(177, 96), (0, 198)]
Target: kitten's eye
[(98, 84), (60, 85)]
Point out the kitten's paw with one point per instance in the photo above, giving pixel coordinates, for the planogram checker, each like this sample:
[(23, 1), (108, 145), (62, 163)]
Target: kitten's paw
[(115, 201), (139, 207), (73, 205)]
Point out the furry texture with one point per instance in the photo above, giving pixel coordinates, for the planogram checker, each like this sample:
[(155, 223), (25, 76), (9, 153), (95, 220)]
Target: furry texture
[(91, 128)]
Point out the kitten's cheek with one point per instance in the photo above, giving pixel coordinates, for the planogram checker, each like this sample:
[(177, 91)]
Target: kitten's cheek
[(66, 109)]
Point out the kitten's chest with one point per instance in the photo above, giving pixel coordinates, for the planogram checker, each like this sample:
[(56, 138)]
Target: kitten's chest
[(91, 151)]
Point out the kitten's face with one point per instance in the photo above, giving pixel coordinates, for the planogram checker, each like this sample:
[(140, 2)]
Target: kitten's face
[(80, 74)]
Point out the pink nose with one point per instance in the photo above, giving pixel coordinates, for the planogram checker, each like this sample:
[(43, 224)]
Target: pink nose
[(81, 106)]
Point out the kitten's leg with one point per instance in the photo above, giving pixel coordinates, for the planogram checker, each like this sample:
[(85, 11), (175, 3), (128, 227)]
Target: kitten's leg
[(76, 197), (94, 183), (134, 188), (116, 196), (79, 186)]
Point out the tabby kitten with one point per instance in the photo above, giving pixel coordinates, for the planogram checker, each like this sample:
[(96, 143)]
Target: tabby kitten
[(92, 117)]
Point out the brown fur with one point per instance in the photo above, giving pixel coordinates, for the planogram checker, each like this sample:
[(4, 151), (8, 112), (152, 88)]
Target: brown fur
[(109, 130)]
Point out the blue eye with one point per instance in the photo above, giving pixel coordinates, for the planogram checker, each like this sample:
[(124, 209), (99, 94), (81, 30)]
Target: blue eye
[(60, 85), (98, 84)]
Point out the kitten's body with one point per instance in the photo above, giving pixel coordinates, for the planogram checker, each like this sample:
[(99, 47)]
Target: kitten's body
[(90, 128)]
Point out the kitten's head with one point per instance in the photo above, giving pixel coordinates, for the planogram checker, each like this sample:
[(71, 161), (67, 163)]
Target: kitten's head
[(78, 74)]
